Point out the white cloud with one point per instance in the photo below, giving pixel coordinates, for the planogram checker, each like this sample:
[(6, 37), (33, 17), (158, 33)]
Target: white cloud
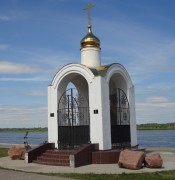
[(7, 67), (157, 100), (3, 47), (155, 109), (155, 91), (36, 93), (163, 87), (25, 79), (4, 18), (21, 116)]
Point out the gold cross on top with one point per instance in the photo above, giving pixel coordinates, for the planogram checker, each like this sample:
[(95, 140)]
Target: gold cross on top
[(88, 8)]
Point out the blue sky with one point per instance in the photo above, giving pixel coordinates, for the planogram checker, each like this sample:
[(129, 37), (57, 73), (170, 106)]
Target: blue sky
[(38, 37)]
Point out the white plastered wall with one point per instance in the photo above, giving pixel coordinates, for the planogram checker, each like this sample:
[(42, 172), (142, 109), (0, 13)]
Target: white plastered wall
[(133, 128), (90, 57), (52, 121), (100, 122)]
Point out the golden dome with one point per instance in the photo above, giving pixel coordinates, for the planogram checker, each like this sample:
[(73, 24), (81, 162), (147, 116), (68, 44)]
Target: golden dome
[(90, 40)]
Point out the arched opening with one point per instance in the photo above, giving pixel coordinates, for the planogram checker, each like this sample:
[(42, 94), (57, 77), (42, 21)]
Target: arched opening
[(119, 112), (73, 113)]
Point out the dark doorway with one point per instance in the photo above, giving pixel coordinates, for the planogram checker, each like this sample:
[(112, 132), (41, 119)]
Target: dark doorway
[(120, 119), (73, 120)]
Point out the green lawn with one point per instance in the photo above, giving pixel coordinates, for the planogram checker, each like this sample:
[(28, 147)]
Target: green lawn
[(169, 175), (3, 152)]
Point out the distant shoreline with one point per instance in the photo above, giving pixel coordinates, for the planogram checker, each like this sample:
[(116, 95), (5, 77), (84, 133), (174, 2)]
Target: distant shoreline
[(45, 129), (155, 126), (9, 145), (24, 129), (154, 129)]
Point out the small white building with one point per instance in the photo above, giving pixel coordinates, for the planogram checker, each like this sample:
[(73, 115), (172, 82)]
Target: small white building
[(91, 103)]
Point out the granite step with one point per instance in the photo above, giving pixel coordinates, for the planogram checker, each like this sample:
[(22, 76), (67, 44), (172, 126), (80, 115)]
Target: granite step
[(54, 157)]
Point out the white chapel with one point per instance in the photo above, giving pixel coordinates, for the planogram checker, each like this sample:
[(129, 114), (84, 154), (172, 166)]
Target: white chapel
[(91, 103)]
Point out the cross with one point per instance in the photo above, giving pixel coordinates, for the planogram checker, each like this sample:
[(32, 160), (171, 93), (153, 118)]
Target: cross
[(88, 8)]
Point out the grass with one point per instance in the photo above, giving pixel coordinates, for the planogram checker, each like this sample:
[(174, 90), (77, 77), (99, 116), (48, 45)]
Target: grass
[(162, 175), (3, 152), (169, 175)]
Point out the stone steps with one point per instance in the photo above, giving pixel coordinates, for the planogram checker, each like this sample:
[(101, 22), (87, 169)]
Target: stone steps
[(55, 157)]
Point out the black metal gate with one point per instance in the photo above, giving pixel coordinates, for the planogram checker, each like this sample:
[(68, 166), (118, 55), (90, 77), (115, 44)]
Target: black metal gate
[(120, 119), (73, 120)]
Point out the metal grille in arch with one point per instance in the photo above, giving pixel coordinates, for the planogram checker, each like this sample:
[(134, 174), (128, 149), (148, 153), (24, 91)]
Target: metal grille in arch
[(120, 118), (73, 119)]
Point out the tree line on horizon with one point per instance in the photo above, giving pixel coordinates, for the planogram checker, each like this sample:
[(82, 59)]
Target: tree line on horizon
[(147, 126), (156, 126)]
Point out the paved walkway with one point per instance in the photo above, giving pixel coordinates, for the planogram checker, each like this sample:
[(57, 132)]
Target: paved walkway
[(168, 156), (15, 175)]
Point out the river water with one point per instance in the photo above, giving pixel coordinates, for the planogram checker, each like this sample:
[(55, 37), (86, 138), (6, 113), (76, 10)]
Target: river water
[(156, 138), (150, 138)]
